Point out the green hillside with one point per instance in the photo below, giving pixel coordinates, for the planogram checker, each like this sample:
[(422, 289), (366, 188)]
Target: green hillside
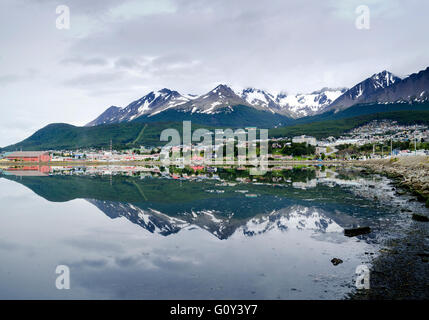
[(321, 129), (123, 135), (136, 133), (364, 109)]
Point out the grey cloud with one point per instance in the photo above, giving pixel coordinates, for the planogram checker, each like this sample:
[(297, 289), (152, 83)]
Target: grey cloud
[(93, 79), (80, 6), (283, 45), (128, 63), (12, 78), (85, 61), (9, 78), (189, 46)]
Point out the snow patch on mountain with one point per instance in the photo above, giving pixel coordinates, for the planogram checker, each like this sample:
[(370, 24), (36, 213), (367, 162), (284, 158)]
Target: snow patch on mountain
[(260, 98), (302, 105)]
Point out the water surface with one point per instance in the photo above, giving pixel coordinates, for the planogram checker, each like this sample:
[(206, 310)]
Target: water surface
[(208, 233)]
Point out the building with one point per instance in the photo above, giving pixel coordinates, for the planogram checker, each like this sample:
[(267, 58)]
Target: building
[(29, 156), (305, 139), (320, 150)]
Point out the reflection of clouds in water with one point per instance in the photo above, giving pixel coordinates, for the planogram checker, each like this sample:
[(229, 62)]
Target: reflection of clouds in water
[(333, 237), (197, 267), (91, 263), (8, 245), (91, 244), (15, 247), (134, 277)]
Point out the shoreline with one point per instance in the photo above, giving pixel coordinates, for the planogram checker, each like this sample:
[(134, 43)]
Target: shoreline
[(145, 163), (401, 269), (411, 173)]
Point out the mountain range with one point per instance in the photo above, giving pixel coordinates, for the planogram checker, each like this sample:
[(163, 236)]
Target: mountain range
[(320, 113), (383, 87), (221, 99)]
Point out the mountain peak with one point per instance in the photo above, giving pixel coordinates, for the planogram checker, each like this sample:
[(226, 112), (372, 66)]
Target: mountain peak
[(109, 113), (221, 97), (384, 79), (260, 99), (149, 104), (364, 89), (223, 88), (166, 91)]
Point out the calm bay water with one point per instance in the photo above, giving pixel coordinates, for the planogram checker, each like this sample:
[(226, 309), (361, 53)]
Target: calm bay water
[(164, 233)]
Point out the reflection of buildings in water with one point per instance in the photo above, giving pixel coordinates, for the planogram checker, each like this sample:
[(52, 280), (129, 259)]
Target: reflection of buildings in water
[(322, 173), (305, 185), (28, 171), (322, 176)]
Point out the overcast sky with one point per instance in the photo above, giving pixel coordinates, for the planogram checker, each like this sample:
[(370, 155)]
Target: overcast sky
[(117, 51)]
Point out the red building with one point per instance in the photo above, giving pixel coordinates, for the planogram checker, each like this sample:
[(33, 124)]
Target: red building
[(29, 156)]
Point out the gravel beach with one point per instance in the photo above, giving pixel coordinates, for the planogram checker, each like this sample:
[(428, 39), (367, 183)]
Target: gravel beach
[(401, 270)]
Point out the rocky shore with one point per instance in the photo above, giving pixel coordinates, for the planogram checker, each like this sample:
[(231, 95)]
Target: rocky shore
[(411, 173), (401, 270)]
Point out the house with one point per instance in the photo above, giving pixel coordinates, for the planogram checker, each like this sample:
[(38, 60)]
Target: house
[(320, 150), (29, 156)]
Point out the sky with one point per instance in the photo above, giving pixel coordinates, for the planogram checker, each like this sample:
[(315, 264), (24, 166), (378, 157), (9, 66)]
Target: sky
[(117, 51)]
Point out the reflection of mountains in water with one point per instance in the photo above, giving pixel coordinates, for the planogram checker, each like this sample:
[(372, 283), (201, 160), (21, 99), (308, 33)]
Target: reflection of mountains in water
[(166, 206), (292, 217)]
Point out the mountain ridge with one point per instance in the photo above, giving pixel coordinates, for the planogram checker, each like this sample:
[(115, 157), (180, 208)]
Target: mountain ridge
[(382, 87)]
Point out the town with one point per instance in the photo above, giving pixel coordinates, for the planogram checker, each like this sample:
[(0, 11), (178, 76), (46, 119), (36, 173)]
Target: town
[(374, 140)]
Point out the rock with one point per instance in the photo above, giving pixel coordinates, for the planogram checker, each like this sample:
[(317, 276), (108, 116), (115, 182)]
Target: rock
[(423, 255), (420, 217), (419, 195), (356, 231), (336, 261)]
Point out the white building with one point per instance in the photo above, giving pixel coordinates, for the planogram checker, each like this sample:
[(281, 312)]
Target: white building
[(305, 139)]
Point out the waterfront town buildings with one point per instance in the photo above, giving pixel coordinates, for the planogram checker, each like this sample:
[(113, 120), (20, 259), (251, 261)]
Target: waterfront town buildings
[(29, 156)]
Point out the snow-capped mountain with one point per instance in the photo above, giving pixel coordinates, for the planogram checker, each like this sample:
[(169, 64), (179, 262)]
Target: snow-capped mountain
[(152, 103), (414, 88), (302, 105), (294, 106), (363, 91), (260, 98), (383, 87), (221, 97)]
